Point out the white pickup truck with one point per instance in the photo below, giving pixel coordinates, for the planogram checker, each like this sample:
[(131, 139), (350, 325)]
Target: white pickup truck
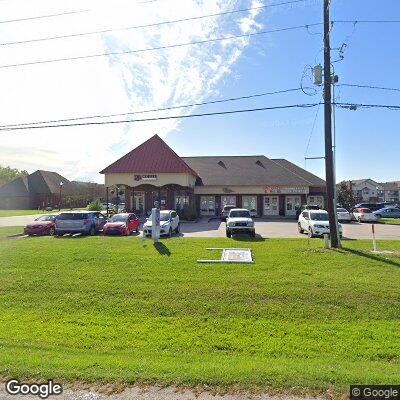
[(239, 221)]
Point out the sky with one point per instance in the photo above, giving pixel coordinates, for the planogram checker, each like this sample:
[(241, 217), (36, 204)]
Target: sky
[(367, 140)]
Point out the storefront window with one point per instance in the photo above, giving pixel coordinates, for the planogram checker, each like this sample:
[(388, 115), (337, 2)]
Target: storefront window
[(160, 198), (181, 199), (250, 202), (316, 200), (228, 201)]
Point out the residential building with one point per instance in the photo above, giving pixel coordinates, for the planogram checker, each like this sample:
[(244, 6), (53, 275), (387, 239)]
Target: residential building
[(153, 174), (42, 189), (366, 190), (391, 191)]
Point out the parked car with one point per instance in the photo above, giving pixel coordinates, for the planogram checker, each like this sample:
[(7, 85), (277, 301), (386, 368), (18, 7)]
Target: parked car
[(239, 221), (388, 212), (343, 215), (225, 211), (169, 223), (306, 207), (315, 223), (122, 224), (43, 225), (371, 206), (85, 222), (364, 215)]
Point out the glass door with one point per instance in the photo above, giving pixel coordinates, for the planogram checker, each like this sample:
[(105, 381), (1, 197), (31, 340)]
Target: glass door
[(292, 204), (207, 205), (250, 202), (271, 205), (138, 203)]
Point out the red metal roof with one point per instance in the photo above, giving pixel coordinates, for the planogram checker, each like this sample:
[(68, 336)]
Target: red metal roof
[(152, 156)]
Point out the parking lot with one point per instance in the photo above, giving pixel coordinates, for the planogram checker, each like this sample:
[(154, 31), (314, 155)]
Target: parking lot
[(266, 228)]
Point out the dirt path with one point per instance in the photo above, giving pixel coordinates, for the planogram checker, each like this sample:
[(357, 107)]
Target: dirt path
[(150, 393)]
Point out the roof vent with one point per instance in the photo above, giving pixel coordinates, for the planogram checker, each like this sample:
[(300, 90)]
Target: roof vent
[(222, 164), (258, 162)]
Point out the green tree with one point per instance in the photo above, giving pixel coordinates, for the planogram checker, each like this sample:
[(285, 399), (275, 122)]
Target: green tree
[(345, 195), (8, 174), (94, 205)]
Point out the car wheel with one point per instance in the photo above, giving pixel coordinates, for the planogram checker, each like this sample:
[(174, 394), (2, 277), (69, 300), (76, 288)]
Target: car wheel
[(378, 216), (359, 219), (228, 234), (310, 233), (51, 231), (178, 228), (170, 232), (92, 231), (252, 234), (301, 230)]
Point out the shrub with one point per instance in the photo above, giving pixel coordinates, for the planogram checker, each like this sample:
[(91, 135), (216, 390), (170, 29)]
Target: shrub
[(189, 213), (95, 205)]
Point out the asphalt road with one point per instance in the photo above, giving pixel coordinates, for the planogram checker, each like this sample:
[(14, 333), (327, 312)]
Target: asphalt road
[(276, 228)]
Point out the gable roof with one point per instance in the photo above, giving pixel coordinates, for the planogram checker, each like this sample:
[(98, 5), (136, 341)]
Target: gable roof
[(248, 170), (308, 176), (152, 156), (39, 182), (17, 187)]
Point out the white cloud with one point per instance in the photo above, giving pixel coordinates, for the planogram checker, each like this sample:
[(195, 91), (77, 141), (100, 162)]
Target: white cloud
[(104, 85)]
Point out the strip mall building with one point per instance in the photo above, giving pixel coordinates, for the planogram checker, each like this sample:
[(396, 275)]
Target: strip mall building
[(153, 172)]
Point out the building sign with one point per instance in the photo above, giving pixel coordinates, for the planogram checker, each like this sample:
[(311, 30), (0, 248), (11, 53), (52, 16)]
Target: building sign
[(150, 177), (286, 190)]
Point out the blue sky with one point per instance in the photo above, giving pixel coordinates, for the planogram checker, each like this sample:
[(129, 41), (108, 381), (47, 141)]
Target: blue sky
[(368, 141)]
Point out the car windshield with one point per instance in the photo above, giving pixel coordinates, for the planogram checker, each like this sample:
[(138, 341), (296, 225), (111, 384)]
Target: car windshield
[(239, 214), (164, 216), (119, 218), (72, 216), (342, 210), (45, 218), (319, 216)]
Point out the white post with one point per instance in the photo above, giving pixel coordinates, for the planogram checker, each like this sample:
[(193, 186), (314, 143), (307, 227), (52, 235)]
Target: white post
[(373, 238), (326, 241), (155, 224)]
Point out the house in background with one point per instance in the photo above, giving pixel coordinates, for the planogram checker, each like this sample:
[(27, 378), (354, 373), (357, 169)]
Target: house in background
[(41, 189), (366, 190), (391, 191)]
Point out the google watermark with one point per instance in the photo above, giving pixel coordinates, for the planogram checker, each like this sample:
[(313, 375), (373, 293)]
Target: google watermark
[(41, 390), (375, 392)]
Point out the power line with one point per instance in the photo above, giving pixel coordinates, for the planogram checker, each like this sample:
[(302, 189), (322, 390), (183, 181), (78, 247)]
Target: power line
[(354, 106), (154, 109), (159, 47), (148, 25), (43, 16), (365, 21), (368, 87), (162, 118)]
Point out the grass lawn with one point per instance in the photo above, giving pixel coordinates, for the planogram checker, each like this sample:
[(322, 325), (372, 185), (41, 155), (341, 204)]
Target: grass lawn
[(390, 221), (300, 319), (13, 213)]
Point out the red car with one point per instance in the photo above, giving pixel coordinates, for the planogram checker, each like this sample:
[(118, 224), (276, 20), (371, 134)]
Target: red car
[(122, 224), (43, 225)]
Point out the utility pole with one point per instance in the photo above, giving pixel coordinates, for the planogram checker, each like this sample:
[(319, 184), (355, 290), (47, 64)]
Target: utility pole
[(329, 167)]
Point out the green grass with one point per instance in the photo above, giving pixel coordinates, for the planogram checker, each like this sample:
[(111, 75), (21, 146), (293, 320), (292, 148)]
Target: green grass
[(11, 230), (13, 213), (100, 309), (390, 221)]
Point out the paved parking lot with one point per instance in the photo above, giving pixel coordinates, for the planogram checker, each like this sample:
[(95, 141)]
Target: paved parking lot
[(283, 228), (274, 228)]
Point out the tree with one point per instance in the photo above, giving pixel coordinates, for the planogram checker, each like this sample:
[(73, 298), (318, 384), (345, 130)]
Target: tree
[(8, 174), (345, 195)]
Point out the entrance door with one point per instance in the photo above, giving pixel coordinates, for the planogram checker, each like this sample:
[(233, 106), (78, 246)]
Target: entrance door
[(292, 204), (207, 205), (139, 203), (271, 205)]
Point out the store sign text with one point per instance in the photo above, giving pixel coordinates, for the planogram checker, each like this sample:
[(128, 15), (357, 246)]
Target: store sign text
[(286, 190), (145, 178)]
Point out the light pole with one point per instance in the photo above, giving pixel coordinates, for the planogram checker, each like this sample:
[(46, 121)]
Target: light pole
[(59, 200)]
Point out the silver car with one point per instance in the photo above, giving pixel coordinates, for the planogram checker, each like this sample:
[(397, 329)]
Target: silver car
[(85, 222)]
